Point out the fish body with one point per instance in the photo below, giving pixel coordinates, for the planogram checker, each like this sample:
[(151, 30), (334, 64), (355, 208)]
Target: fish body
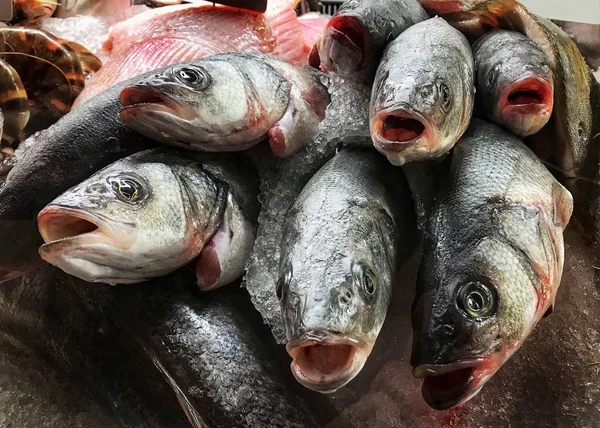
[(78, 145), (151, 213), (492, 264), (343, 241), (354, 40), (182, 33), (515, 85), (423, 93), (228, 102)]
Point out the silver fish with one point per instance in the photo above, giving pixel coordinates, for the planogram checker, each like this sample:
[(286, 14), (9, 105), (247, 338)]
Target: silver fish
[(493, 261), (228, 102), (343, 241), (423, 93), (354, 39), (151, 213), (515, 85)]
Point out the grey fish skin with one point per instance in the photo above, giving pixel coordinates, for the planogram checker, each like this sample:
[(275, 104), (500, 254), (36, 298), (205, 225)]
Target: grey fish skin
[(423, 94), (57, 335), (354, 39), (492, 264), (344, 238), (153, 212), (213, 350), (515, 85), (79, 144), (228, 102)]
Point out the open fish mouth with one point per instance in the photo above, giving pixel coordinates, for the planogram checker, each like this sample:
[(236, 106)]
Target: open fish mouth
[(528, 104), (147, 100), (448, 385), (397, 130), (63, 229), (324, 362), (343, 48)]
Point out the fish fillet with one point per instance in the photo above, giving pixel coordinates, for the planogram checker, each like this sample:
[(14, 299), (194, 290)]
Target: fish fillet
[(173, 34)]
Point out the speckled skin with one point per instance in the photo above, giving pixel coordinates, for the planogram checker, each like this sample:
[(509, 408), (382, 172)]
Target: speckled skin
[(409, 80), (355, 213), (499, 219), (213, 349), (503, 58), (380, 22)]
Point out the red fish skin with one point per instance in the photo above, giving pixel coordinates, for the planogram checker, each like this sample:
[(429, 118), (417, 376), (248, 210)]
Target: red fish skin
[(181, 33)]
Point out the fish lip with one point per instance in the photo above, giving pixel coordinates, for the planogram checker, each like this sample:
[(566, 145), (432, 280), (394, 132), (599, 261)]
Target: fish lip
[(471, 374), (402, 112), (147, 99), (529, 83), (344, 30), (53, 247), (327, 383)]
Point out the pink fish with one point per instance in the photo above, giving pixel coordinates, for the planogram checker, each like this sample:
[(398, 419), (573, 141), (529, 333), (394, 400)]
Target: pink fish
[(181, 33)]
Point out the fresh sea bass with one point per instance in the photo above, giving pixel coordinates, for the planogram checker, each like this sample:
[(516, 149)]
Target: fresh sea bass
[(70, 151), (181, 33), (572, 117), (355, 38), (423, 93), (228, 102), (515, 85), (493, 261), (344, 239), (153, 212)]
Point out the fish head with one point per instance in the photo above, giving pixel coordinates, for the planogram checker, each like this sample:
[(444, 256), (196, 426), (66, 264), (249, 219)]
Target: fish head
[(475, 309), (419, 109), (515, 83), (130, 222), (334, 304), (345, 46), (200, 101)]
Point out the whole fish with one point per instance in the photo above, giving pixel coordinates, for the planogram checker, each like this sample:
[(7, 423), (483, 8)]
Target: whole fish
[(492, 263), (344, 239), (181, 33), (228, 102), (515, 85), (423, 93), (70, 151), (354, 40), (572, 118), (151, 213)]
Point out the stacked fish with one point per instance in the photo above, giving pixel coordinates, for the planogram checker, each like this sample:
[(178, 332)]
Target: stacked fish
[(462, 114)]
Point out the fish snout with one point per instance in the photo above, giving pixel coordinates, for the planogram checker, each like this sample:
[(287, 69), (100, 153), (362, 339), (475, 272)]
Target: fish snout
[(344, 44), (526, 105), (325, 361)]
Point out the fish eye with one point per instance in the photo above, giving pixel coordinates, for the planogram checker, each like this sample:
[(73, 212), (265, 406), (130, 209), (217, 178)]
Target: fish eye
[(475, 299), (127, 189), (445, 94), (492, 76), (195, 77), (365, 276), (284, 282)]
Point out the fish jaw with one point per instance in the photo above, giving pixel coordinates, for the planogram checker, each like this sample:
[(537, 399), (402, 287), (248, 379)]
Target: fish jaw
[(153, 113), (67, 230), (400, 134), (525, 106), (325, 362), (343, 45)]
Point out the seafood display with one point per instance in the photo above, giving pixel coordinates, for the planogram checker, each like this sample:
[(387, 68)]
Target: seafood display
[(258, 215)]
